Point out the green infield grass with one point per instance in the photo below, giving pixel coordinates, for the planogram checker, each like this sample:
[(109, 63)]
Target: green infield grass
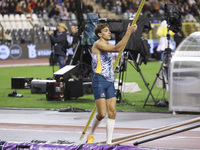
[(131, 101)]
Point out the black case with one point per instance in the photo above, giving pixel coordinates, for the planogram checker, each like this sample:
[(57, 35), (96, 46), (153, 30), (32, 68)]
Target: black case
[(39, 86), (55, 90), (21, 82), (73, 89)]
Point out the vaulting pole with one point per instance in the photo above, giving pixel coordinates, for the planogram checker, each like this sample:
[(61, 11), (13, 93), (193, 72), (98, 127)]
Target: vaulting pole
[(152, 131), (168, 134), (114, 67)]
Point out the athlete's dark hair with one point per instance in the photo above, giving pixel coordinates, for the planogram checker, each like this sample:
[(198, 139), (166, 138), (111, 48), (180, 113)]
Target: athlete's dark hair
[(99, 28)]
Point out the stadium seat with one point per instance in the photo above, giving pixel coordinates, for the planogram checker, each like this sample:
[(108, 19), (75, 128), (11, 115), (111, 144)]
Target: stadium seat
[(26, 32), (17, 40), (6, 25), (26, 25), (20, 32), (74, 19), (12, 24), (35, 19), (29, 37), (6, 17), (12, 17), (14, 32), (23, 17), (17, 17), (40, 39), (34, 16), (52, 22), (41, 22), (1, 17), (18, 25)]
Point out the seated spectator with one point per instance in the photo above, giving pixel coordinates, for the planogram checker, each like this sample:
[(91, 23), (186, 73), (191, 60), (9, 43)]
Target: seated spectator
[(22, 2), (23, 8), (18, 9), (155, 8), (69, 8), (87, 7), (124, 6), (29, 8), (11, 8), (7, 37), (195, 11), (5, 9), (54, 13), (39, 9), (44, 4), (146, 9), (2, 4), (108, 4), (132, 6), (63, 12), (118, 10), (50, 7), (33, 4)]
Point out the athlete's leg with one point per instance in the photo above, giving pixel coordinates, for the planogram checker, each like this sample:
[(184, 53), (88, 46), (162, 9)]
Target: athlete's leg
[(111, 108), (101, 109)]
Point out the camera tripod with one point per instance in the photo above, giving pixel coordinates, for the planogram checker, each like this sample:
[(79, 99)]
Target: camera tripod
[(121, 69), (163, 72), (135, 65), (84, 67), (52, 57)]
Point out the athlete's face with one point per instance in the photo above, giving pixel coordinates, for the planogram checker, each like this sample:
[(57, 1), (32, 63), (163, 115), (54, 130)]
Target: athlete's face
[(105, 34)]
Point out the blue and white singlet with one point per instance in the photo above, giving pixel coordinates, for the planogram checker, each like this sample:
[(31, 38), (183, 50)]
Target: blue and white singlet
[(102, 64)]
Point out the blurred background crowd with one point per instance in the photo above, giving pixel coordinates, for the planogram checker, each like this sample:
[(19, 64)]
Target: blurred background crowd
[(24, 19), (190, 9), (63, 9)]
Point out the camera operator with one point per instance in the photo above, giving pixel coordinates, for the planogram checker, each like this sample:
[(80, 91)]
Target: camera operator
[(60, 41)]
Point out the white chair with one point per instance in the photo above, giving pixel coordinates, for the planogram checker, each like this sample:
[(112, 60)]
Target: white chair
[(34, 17), (12, 25), (6, 25), (24, 25), (1, 17), (17, 17), (12, 17), (41, 22), (23, 17), (6, 17), (19, 25), (29, 26)]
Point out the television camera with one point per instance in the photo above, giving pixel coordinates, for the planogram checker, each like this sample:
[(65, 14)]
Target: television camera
[(53, 29), (173, 18), (47, 28)]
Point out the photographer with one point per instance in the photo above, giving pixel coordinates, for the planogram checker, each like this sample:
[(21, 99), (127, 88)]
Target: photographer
[(59, 41)]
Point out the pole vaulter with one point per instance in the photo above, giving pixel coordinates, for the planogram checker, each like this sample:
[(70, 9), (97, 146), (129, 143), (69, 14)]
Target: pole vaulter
[(114, 67)]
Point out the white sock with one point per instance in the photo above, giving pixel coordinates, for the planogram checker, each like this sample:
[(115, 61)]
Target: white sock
[(95, 124), (109, 130)]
